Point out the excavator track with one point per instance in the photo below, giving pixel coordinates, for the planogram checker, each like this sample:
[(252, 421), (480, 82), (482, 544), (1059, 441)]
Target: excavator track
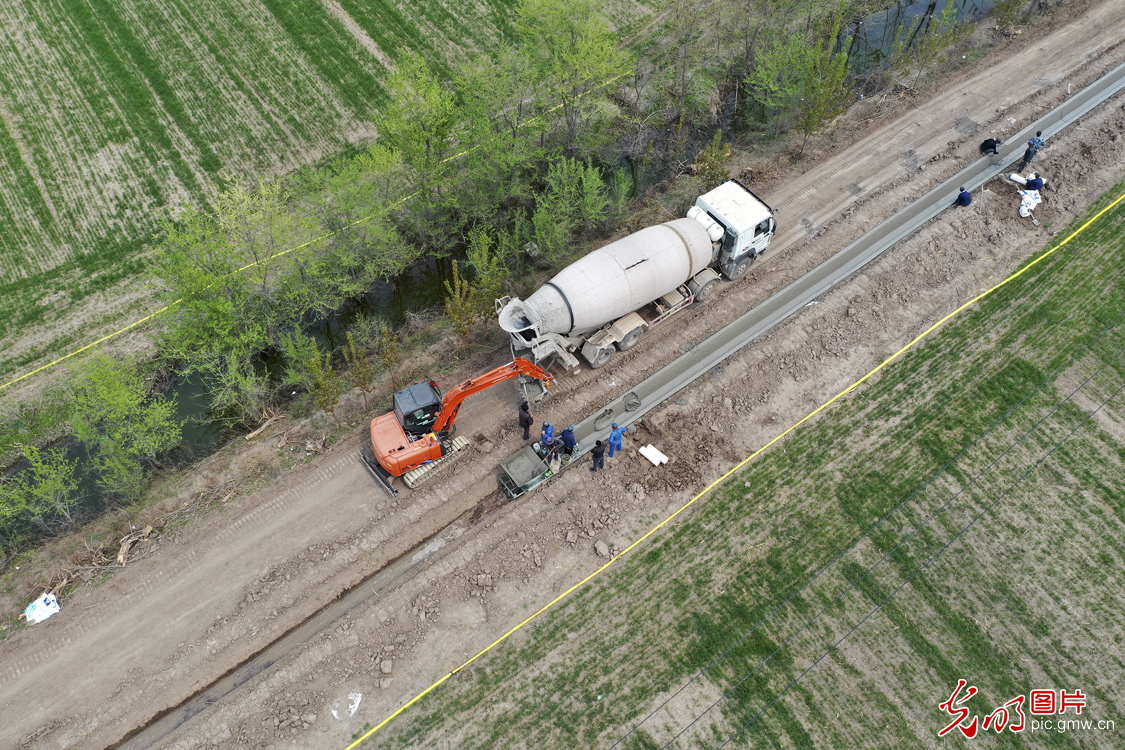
[(425, 472)]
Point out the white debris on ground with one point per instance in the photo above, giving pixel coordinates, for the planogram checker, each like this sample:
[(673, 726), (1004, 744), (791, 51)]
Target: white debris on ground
[(42, 608)]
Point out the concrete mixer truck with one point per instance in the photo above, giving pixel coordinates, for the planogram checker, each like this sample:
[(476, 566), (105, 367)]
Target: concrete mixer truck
[(604, 302)]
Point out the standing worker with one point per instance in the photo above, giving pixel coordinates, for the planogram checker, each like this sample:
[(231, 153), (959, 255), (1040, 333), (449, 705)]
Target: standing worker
[(598, 452), (548, 431), (615, 438), (569, 442), (1033, 148), (964, 198), (526, 420)]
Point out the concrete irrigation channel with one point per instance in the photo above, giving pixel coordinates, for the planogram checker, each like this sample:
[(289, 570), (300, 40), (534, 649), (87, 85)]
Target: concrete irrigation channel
[(653, 391), (665, 383)]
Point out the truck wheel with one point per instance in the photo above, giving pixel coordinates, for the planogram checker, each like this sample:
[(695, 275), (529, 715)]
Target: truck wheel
[(602, 357), (740, 268), (629, 340), (706, 290)]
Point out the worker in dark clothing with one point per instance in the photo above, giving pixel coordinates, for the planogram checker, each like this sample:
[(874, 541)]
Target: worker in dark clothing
[(964, 198), (551, 447), (1034, 146), (1033, 181), (598, 452), (526, 420), (615, 438), (569, 441), (991, 146)]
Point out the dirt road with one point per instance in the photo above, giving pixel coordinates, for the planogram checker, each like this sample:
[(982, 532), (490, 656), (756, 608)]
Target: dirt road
[(161, 630)]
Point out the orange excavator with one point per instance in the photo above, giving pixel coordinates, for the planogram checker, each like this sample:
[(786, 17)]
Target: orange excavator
[(414, 439)]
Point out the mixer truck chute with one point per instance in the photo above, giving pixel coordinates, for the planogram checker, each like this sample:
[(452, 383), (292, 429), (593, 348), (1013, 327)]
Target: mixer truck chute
[(605, 302)]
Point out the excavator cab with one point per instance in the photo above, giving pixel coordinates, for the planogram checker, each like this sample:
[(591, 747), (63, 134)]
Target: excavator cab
[(417, 407)]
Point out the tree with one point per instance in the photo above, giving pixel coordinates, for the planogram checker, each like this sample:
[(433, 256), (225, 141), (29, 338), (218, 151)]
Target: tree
[(575, 57), (825, 88), (927, 43), (502, 152), (241, 273), (711, 163), (306, 365), (361, 374), (471, 303), (111, 414), (576, 200), (418, 123), (43, 493), (354, 200), (802, 80), (778, 77)]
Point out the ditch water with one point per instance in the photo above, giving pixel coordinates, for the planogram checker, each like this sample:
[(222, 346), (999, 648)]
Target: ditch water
[(869, 41)]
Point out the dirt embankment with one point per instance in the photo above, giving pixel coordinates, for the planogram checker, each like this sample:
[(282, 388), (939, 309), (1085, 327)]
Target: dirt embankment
[(209, 599)]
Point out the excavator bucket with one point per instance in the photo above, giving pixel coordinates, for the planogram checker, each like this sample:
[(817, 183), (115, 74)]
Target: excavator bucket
[(381, 476)]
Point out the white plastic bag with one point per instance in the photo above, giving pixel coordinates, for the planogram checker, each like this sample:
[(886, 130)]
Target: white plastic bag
[(42, 608), (1029, 199)]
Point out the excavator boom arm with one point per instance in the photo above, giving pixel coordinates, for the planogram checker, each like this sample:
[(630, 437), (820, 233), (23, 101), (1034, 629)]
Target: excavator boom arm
[(456, 396)]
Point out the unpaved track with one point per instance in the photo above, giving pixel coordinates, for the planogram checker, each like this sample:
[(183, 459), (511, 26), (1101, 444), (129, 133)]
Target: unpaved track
[(159, 631)]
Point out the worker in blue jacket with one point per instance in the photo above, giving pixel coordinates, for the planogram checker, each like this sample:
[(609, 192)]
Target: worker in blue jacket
[(615, 437), (569, 441)]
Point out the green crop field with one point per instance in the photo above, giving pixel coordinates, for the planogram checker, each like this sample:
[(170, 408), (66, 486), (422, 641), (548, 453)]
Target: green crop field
[(114, 113), (961, 518)]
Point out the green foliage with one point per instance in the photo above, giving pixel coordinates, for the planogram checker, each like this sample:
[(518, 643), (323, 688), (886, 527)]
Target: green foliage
[(387, 348), (502, 151), (418, 123), (711, 164), (573, 55), (470, 304), (778, 77), (306, 365), (43, 493), (1006, 11), (119, 425), (800, 81), (575, 202), (825, 88), (361, 373), (238, 277), (459, 304), (353, 200)]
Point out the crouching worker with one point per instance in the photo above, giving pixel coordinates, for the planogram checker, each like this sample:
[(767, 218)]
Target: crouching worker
[(569, 442), (1033, 181)]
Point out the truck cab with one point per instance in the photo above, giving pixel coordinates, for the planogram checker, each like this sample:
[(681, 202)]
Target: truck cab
[(745, 220)]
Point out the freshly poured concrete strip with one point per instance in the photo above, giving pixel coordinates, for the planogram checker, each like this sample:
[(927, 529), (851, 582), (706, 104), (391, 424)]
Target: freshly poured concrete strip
[(663, 384)]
